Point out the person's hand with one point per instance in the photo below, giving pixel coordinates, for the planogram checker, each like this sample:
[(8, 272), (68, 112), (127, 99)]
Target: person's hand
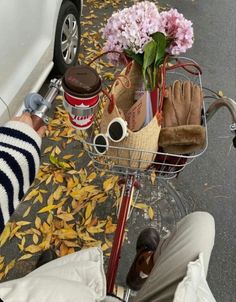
[(26, 118)]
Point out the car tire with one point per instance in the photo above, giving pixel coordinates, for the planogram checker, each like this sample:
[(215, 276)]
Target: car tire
[(67, 38)]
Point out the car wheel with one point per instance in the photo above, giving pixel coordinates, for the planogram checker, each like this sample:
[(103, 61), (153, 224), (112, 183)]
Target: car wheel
[(67, 39)]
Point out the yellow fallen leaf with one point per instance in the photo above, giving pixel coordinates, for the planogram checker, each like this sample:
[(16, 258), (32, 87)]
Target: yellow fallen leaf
[(109, 76), (58, 193), (102, 199), (83, 175), (57, 150), (153, 177), (14, 231), (108, 242), (31, 194), (88, 211), (109, 183), (59, 177), (105, 247), (220, 93), (101, 223), (2, 275), (19, 235), (85, 236), (50, 200), (5, 234), (27, 212), (66, 234), (9, 266), (22, 244), (52, 207), (50, 219), (24, 257), (35, 239), (70, 184), (48, 149), (110, 227), (70, 243), (37, 232), (1, 259), (63, 250), (68, 156), (45, 228), (72, 172), (141, 206), (49, 179), (94, 230), (88, 221), (66, 216), (151, 213), (91, 177), (1, 266), (22, 223), (37, 222), (33, 248)]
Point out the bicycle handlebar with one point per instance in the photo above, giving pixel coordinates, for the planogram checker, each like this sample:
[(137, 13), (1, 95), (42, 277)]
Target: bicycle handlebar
[(38, 106), (230, 105), (222, 102)]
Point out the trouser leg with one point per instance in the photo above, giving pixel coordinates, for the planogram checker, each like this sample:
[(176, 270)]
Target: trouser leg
[(194, 234)]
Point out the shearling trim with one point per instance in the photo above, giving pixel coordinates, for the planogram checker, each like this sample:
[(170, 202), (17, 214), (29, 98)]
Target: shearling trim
[(182, 139)]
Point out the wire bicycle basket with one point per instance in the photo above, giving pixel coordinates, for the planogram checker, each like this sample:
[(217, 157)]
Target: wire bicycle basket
[(165, 165)]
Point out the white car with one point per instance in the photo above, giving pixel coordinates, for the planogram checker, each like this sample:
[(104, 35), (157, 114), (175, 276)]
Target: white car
[(35, 35)]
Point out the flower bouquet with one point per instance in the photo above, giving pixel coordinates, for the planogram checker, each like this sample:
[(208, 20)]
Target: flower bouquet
[(147, 36)]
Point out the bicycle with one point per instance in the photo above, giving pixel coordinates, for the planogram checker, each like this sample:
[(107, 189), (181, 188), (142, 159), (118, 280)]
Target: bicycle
[(166, 165)]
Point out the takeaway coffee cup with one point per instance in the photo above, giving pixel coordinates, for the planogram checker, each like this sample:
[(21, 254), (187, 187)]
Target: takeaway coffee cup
[(82, 86)]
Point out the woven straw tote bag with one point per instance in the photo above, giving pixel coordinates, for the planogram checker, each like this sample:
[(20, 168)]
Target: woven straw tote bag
[(137, 150)]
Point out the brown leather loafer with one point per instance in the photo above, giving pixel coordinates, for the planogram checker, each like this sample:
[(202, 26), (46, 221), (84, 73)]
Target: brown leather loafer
[(142, 265), (148, 240)]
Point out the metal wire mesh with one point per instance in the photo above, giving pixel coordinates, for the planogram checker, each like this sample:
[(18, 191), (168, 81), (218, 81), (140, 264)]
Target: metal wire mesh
[(165, 165)]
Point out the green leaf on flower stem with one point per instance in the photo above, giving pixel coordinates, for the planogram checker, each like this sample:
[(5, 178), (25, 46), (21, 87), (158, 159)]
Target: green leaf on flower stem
[(160, 39), (161, 43), (149, 58), (149, 54), (138, 57)]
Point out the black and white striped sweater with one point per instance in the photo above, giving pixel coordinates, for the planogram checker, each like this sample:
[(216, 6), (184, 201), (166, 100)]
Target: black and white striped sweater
[(19, 161)]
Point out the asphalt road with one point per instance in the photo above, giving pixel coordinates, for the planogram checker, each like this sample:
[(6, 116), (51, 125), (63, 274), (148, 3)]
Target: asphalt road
[(211, 180)]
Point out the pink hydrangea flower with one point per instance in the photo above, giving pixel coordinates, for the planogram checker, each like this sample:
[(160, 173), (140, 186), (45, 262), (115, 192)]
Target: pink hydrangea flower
[(132, 27), (178, 29)]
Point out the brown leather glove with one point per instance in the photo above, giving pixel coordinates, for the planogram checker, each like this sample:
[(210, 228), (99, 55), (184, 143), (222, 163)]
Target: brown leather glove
[(182, 104), (181, 131)]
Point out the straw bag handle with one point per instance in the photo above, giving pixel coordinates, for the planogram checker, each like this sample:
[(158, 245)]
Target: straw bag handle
[(127, 63)]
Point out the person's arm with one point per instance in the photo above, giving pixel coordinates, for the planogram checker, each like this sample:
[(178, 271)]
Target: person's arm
[(19, 161)]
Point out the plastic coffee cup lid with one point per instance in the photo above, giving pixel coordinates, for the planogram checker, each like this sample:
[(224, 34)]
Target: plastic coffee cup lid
[(81, 81)]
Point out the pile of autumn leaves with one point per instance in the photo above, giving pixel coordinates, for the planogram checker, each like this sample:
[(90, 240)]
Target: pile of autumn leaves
[(67, 201), (66, 207)]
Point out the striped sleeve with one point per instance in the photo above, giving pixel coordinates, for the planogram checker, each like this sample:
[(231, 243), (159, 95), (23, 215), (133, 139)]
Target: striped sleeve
[(19, 161)]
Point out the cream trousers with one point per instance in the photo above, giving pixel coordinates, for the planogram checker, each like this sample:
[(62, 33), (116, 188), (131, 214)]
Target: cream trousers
[(194, 234)]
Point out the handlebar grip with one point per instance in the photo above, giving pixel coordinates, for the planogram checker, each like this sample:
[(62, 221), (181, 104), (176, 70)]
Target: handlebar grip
[(37, 122)]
